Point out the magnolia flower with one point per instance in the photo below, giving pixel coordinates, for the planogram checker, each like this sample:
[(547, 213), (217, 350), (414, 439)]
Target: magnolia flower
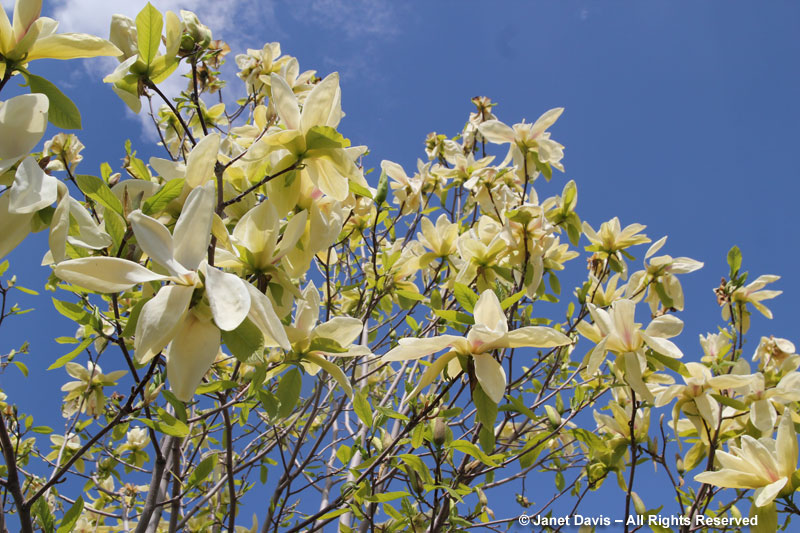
[(406, 191), (776, 352), (489, 333), (439, 239), (765, 464), (753, 294), (33, 37), (661, 272), (312, 342), (325, 162), (615, 330), (482, 249), (612, 238), (762, 409), (528, 141), (697, 391), (715, 346), (172, 317), (86, 394)]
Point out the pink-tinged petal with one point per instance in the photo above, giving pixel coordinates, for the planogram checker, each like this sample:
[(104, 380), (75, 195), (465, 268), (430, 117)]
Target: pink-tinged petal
[(432, 372), (201, 160), (491, 376), (192, 233), (23, 120), (159, 320), (334, 371), (411, 348), (32, 189), (319, 103), (496, 132), (25, 14), (264, 317), (343, 329), (105, 274), (665, 326), (228, 297), (285, 102), (190, 354), (155, 240), (489, 313)]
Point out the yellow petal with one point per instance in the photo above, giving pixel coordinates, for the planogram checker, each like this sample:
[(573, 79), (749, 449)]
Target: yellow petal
[(491, 376), (72, 46)]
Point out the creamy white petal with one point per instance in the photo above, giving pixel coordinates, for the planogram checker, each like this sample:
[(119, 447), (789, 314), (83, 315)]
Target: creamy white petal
[(285, 102), (15, 227), (319, 103), (228, 297), (105, 274), (412, 348), (32, 190), (496, 132), (663, 346), (342, 329), (665, 326), (765, 495), (159, 320), (23, 121), (190, 354), (201, 160), (192, 233), (538, 336), (155, 240), (489, 312), (264, 317), (491, 376)]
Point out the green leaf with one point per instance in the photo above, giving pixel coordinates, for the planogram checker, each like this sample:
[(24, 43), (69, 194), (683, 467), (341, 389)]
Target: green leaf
[(202, 470), (670, 362), (133, 318), (215, 386), (72, 311), (511, 300), (41, 510), (487, 409), (3, 267), (358, 190), (470, 449), (246, 342), (289, 391), (734, 261), (62, 113), (44, 430), (465, 296), (411, 295), (321, 344), (454, 316), (64, 359), (383, 189), (71, 517), (168, 424), (387, 496), (159, 201), (96, 189), (412, 462), (149, 23), (362, 408)]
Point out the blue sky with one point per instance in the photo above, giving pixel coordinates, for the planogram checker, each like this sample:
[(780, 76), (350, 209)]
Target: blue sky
[(679, 115)]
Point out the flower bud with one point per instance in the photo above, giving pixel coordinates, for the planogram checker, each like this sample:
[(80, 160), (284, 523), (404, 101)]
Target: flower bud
[(439, 431)]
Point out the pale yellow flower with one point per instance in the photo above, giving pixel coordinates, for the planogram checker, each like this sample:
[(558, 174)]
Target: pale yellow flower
[(765, 464)]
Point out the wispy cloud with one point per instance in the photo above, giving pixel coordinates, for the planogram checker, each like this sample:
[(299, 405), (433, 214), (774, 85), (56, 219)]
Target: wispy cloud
[(354, 18)]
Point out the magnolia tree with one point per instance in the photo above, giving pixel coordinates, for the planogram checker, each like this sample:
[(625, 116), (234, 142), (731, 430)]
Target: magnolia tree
[(297, 345)]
